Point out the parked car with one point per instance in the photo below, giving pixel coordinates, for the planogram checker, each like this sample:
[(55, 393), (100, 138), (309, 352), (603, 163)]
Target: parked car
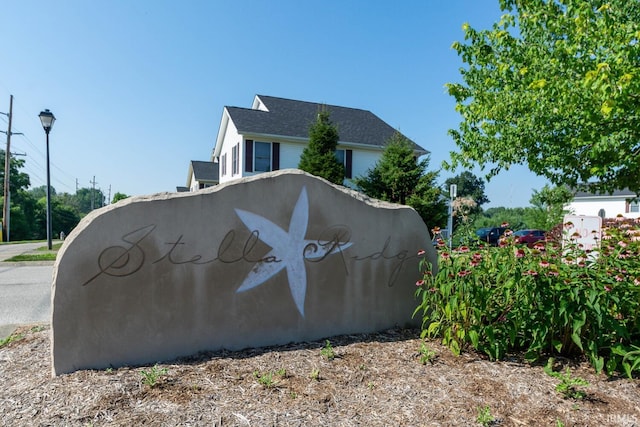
[(490, 235), (529, 237)]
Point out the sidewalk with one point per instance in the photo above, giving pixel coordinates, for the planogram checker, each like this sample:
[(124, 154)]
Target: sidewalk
[(10, 250)]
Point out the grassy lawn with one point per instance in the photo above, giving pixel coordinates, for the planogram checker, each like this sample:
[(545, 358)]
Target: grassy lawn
[(41, 254)]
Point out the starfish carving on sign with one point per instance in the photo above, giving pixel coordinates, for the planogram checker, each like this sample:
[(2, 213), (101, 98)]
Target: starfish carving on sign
[(289, 249)]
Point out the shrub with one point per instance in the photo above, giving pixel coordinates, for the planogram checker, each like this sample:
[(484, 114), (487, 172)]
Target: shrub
[(547, 300)]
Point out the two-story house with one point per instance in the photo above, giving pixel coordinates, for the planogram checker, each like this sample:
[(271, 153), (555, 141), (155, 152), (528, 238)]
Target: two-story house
[(272, 134)]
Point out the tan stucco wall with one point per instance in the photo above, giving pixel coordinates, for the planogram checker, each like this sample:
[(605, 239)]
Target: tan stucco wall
[(154, 278)]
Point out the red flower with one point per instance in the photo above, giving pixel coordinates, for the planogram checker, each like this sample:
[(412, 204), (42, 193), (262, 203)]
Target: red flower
[(421, 252), (464, 273), (519, 253), (420, 283), (544, 263)]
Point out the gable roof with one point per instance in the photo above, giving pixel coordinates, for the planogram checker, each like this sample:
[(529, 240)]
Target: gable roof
[(291, 118), (203, 171), (617, 193)]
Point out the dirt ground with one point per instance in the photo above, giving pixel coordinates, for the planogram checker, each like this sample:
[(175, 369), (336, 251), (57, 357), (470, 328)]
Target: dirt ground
[(374, 380)]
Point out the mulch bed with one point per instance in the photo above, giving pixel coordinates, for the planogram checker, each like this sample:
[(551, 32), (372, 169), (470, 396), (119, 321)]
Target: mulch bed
[(374, 380)]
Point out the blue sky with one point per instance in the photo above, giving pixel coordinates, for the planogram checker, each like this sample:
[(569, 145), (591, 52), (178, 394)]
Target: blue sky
[(138, 87)]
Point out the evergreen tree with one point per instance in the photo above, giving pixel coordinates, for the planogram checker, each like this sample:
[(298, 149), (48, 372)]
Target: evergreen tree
[(319, 156), (399, 177)]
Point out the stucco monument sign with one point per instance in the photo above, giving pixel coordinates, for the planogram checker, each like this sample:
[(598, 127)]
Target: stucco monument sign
[(272, 259)]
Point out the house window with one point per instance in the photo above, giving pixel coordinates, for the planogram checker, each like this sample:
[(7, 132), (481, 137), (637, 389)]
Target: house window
[(223, 164), (235, 159), (345, 157), (634, 206), (262, 157)]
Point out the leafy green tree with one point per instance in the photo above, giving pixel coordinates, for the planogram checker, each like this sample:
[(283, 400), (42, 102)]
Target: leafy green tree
[(548, 207), (554, 85), (399, 177), (24, 211), (119, 196), (64, 218), (18, 183), (89, 199), (17, 180), (318, 157), (469, 185), (494, 217), (41, 192)]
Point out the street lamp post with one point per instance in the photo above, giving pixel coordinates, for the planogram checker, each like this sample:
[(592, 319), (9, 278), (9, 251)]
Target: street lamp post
[(47, 118)]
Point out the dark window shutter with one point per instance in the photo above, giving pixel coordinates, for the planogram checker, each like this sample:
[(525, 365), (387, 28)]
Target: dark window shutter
[(248, 155), (275, 156), (348, 164)]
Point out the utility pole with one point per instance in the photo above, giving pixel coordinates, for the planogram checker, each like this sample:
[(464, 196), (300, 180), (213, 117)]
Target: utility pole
[(93, 190), (6, 209), (109, 197)]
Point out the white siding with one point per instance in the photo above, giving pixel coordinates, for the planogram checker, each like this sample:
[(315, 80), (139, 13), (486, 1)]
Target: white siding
[(194, 183), (612, 207), (363, 160), (231, 138)]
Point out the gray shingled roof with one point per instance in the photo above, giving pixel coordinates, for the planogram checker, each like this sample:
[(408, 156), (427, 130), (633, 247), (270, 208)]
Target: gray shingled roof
[(205, 171), (291, 118), (625, 192)]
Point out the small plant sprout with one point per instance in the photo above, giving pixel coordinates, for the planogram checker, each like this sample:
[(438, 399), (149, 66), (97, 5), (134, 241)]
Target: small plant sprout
[(427, 355), (327, 351), (484, 416), (152, 376), (315, 374), (568, 384), (266, 379), (11, 338)]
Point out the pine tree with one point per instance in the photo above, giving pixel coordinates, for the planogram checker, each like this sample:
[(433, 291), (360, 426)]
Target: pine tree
[(318, 157), (399, 177)]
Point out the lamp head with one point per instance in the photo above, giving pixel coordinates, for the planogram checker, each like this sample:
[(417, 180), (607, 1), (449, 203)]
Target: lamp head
[(47, 118)]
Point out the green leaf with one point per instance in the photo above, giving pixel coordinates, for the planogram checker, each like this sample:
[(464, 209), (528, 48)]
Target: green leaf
[(433, 328), (576, 339), (475, 338), (557, 345)]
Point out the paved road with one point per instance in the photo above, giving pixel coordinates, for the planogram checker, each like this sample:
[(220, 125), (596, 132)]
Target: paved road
[(25, 289)]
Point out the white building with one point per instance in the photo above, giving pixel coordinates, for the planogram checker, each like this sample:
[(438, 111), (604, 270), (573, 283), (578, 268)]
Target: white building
[(605, 205), (272, 134)]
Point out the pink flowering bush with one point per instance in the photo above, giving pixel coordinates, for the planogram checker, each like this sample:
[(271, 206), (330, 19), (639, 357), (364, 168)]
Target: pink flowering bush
[(543, 301)]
